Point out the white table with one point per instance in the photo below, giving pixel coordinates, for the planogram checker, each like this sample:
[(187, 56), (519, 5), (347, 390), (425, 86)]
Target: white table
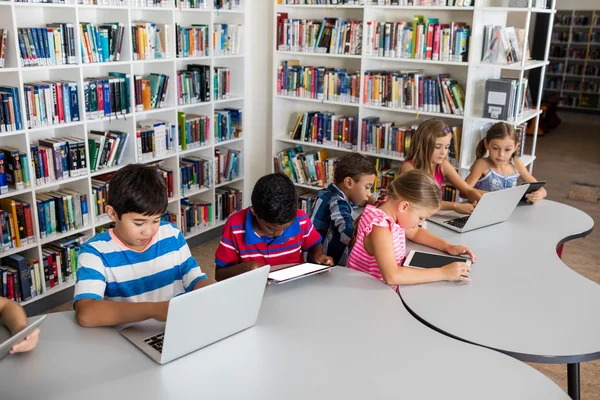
[(523, 300), (340, 335)]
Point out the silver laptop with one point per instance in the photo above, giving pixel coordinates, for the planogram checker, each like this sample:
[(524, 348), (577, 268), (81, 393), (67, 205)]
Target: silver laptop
[(492, 208), (202, 317), (11, 341)]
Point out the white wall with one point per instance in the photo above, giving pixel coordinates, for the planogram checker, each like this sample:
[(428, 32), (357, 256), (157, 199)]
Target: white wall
[(258, 89)]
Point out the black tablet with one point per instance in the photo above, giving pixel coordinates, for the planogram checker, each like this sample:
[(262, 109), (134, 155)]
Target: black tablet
[(533, 187), (421, 259)]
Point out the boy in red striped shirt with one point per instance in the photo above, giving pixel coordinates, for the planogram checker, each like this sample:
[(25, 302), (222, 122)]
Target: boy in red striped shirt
[(270, 232)]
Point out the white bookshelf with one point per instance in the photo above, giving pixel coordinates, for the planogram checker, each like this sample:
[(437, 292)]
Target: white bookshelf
[(472, 74), (14, 15), (570, 84)]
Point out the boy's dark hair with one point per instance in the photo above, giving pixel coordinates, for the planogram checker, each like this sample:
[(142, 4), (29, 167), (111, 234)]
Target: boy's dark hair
[(138, 188), (353, 165), (274, 199)]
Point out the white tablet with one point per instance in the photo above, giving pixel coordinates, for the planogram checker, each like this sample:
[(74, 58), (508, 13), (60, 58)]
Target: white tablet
[(297, 272), (421, 259), (10, 342)]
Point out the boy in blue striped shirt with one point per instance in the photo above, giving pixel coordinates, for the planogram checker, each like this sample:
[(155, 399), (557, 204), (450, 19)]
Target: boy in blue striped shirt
[(129, 273)]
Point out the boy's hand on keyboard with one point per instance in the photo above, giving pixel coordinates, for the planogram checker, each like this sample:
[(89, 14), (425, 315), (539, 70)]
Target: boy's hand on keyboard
[(464, 208), (457, 250), (161, 309), (457, 271)]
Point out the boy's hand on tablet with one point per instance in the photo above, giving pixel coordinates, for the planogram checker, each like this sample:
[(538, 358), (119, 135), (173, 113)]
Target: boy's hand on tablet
[(457, 271), (26, 344), (457, 250)]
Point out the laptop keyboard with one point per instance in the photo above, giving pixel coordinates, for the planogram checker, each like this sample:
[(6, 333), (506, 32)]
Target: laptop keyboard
[(156, 341), (458, 222)]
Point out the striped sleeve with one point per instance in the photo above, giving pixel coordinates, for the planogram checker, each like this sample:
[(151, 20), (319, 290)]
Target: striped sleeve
[(341, 216), (91, 276), (227, 253), (189, 268), (310, 236)]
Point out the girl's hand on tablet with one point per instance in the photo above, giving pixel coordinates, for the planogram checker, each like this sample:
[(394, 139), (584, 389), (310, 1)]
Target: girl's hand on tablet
[(457, 271), (457, 250)]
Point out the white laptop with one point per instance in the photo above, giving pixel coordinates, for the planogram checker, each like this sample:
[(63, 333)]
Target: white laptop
[(202, 317), (492, 208), (18, 337)]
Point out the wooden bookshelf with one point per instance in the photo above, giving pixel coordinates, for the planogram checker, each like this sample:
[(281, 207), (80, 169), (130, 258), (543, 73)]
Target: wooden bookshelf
[(472, 74), (575, 74), (15, 14)]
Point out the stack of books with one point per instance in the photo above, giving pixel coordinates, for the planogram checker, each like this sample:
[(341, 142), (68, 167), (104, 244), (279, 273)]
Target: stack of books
[(16, 224), (60, 260), (107, 96), (228, 124), (327, 128), (196, 173), (151, 91), (149, 40), (411, 90), (55, 159), (227, 201), (228, 165), (193, 131), (423, 39), (313, 169), (504, 45), (20, 278), (195, 215), (191, 41), (51, 103), (14, 169), (331, 84), (61, 211), (101, 43), (222, 89), (10, 112), (154, 138), (329, 36), (379, 137), (52, 45), (106, 148), (227, 39), (193, 84)]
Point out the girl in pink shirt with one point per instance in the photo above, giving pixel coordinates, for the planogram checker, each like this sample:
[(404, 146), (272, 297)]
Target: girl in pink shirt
[(380, 245), (428, 152)]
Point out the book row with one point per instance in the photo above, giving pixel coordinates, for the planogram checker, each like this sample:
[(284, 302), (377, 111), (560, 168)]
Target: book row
[(101, 43), (16, 224), (423, 3), (13, 169), (328, 129), (503, 45), (315, 169), (51, 45)]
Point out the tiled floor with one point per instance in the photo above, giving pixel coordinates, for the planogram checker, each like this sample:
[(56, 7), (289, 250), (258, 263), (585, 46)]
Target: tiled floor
[(570, 153)]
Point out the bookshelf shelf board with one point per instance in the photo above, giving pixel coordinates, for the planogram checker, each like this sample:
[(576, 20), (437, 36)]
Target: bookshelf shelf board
[(309, 54), (227, 100), (55, 126), (194, 192), (197, 58), (189, 151), (227, 56), (14, 192), (162, 157), (106, 170), (578, 108), (525, 116), (186, 106), (152, 8), (422, 8), (372, 154), (45, 5), (234, 11), (229, 182), (172, 199), (60, 182), (11, 133), (57, 236), (316, 6), (104, 64), (9, 70), (405, 111), (309, 187), (153, 61), (575, 92), (204, 229), (154, 111), (417, 61), (556, 58), (225, 142), (517, 9), (551, 90), (50, 67), (51, 291), (583, 60), (16, 250), (101, 7), (312, 144), (117, 117), (198, 10), (529, 64), (279, 96)]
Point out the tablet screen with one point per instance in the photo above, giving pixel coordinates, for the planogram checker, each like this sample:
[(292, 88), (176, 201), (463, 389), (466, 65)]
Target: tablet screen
[(428, 260), (296, 271)]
